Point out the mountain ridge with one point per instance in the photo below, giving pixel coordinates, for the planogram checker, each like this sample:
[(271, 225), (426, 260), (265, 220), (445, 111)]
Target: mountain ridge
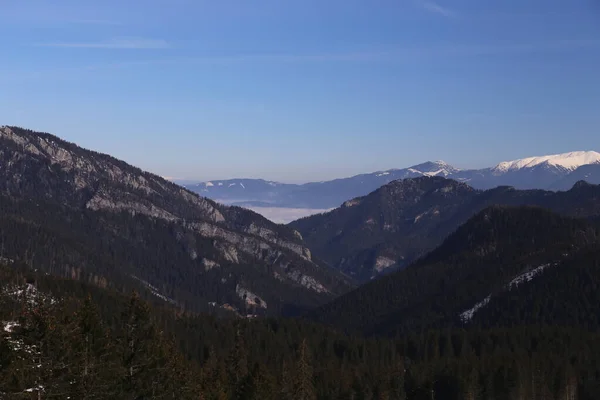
[(552, 172), (472, 270), (39, 168), (403, 220)]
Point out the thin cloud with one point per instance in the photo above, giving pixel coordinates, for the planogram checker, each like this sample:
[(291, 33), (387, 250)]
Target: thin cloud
[(435, 8), (93, 22), (398, 55), (120, 43)]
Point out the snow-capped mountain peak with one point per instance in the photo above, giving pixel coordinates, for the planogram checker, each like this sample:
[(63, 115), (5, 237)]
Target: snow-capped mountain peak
[(434, 168), (569, 161)]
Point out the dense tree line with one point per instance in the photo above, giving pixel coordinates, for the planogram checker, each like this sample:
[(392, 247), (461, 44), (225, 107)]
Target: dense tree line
[(62, 349), (479, 260), (107, 249), (67, 339)]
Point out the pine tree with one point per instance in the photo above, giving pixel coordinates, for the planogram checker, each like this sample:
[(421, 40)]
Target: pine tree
[(138, 356), (94, 364), (287, 385), (397, 391), (237, 367), (43, 349), (303, 388), (261, 385), (214, 378)]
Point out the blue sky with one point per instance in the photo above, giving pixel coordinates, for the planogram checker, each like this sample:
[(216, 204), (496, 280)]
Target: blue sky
[(300, 90)]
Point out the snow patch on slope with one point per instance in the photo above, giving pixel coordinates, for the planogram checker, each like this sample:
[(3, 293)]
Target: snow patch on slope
[(466, 316), (28, 293), (528, 276), (436, 173)]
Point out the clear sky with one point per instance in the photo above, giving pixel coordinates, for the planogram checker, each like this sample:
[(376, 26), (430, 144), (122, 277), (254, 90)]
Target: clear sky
[(300, 90)]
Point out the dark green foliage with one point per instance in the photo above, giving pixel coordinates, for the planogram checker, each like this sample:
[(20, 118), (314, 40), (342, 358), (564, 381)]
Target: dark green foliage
[(303, 385), (83, 215), (61, 348), (480, 259), (405, 219), (131, 356), (109, 249)]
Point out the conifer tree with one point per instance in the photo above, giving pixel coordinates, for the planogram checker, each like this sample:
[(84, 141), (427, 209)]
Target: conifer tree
[(214, 379), (303, 388), (261, 385), (138, 357), (286, 386), (237, 367), (94, 364)]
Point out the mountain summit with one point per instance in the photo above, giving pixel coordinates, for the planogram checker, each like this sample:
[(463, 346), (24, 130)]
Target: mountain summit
[(434, 168)]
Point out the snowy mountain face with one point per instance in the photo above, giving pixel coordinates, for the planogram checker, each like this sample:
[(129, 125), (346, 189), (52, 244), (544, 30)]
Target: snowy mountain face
[(437, 168), (543, 172), (567, 161)]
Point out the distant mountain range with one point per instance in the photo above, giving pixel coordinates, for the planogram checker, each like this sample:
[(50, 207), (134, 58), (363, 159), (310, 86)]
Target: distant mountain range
[(553, 172), (403, 220)]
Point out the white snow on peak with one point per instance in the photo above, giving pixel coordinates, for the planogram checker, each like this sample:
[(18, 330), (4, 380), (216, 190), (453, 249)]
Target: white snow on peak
[(443, 169), (569, 161), (442, 163), (232, 184), (242, 185), (220, 184), (209, 184), (383, 173)]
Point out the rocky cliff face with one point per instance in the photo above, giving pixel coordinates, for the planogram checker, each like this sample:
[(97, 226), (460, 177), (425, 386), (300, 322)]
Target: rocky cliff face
[(43, 167)]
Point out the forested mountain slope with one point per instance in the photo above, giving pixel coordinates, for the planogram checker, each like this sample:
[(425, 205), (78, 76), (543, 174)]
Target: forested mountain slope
[(502, 268), (62, 338), (93, 217), (396, 224)]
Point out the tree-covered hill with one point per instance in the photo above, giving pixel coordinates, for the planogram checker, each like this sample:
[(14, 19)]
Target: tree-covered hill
[(390, 228), (495, 257)]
